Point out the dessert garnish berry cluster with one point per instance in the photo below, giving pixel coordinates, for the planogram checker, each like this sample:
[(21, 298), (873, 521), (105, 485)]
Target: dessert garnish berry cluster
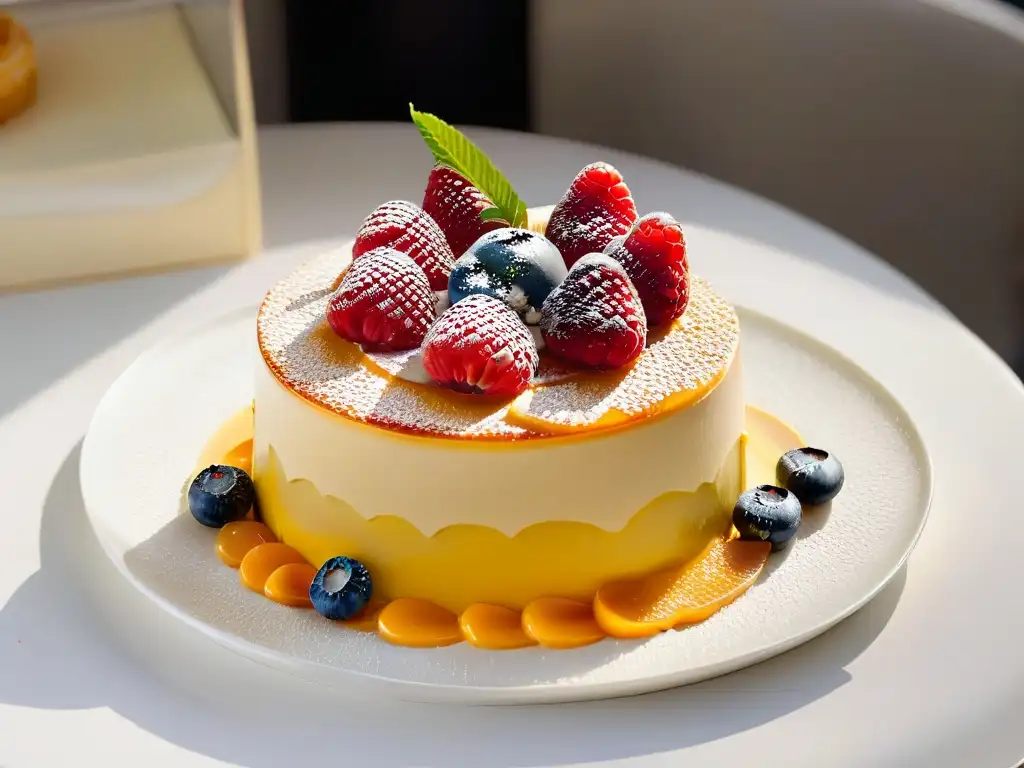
[(462, 278)]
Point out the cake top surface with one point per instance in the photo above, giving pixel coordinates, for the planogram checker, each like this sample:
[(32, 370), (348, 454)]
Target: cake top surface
[(680, 365)]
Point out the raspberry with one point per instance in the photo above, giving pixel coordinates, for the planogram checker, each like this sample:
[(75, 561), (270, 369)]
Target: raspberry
[(455, 205), (384, 302), (594, 318), (408, 229), (654, 256), (481, 346), (596, 208)]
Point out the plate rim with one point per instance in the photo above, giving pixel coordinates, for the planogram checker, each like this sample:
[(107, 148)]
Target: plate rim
[(492, 695)]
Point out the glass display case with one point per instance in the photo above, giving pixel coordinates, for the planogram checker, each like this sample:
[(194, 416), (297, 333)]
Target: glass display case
[(135, 149)]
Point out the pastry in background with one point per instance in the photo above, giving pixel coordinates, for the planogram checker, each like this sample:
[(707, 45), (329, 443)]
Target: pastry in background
[(18, 72)]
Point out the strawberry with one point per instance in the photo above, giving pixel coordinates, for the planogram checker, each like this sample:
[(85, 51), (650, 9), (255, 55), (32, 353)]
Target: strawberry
[(384, 302), (597, 207), (408, 229), (481, 346), (594, 318), (654, 256), (455, 205)]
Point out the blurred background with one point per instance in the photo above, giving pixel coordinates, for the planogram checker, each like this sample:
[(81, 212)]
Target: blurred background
[(897, 123)]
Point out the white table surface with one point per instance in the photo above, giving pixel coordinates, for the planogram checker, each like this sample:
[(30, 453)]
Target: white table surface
[(930, 673)]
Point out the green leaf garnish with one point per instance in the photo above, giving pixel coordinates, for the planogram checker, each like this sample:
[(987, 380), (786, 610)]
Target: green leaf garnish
[(453, 149)]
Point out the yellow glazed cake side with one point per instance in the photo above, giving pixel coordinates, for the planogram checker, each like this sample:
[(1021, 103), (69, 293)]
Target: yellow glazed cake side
[(666, 598), (457, 522)]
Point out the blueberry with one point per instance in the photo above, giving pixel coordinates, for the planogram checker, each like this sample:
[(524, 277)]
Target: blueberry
[(814, 476), (341, 588), (516, 266), (220, 495), (767, 513)]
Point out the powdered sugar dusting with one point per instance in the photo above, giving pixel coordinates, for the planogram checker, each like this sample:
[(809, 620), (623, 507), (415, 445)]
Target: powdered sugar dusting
[(596, 208), (311, 360), (654, 256), (688, 357), (407, 228), (594, 317), (456, 205), (481, 345)]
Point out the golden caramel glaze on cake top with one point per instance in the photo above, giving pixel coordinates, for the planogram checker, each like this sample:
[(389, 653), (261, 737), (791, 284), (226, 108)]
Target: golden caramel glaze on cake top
[(681, 364)]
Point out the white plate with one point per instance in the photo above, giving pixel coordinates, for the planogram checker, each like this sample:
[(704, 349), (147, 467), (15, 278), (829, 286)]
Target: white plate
[(148, 431)]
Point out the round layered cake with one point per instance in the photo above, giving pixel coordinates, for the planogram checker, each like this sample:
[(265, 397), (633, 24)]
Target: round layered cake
[(583, 478), (486, 423)]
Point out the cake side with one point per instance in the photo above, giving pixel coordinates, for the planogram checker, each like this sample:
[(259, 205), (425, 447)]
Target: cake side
[(457, 522), (602, 479)]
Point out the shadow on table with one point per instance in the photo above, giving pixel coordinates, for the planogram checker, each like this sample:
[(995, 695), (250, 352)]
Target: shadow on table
[(177, 563), (58, 652), (59, 329)]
